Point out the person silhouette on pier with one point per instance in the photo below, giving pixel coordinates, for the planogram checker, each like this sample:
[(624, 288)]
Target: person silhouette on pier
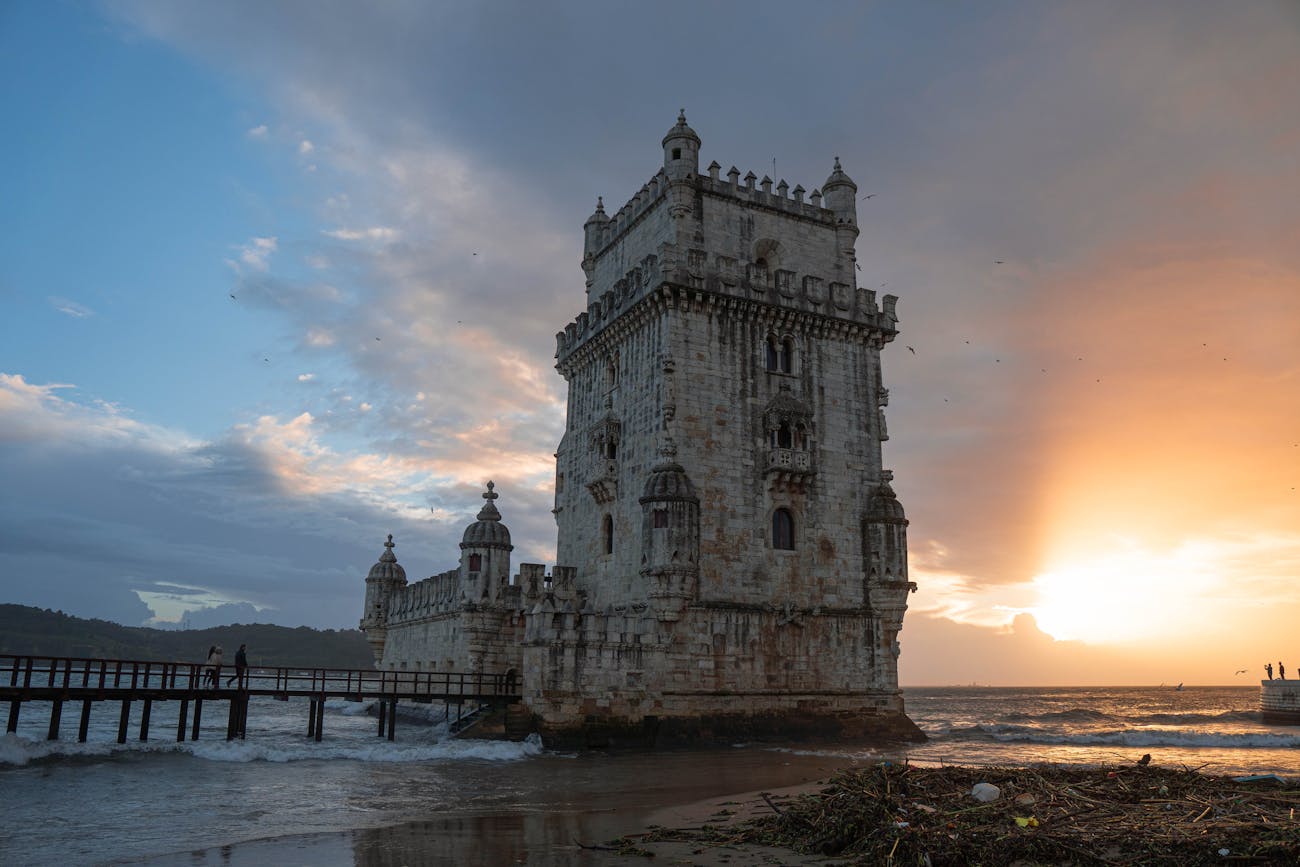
[(241, 663), (1268, 666), (1281, 670), (213, 664)]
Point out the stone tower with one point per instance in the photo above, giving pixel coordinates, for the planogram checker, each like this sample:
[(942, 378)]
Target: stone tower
[(732, 558), (720, 473)]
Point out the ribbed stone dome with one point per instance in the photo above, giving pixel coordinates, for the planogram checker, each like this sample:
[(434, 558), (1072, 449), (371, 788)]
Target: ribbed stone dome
[(838, 178), (387, 568), (668, 480), (487, 531), (885, 508), (681, 130)]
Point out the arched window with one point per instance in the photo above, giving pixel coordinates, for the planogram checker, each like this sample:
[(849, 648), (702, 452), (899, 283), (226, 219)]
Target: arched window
[(781, 437), (660, 518), (611, 449), (786, 355), (611, 370), (476, 562), (782, 530), (773, 355), (607, 534)]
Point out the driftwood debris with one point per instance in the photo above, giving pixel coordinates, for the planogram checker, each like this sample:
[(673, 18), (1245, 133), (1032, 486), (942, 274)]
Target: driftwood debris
[(894, 814)]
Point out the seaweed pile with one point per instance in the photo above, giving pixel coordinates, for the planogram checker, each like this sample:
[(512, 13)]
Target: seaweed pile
[(894, 814)]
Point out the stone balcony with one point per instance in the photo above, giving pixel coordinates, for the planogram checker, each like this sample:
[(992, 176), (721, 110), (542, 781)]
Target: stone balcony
[(789, 469)]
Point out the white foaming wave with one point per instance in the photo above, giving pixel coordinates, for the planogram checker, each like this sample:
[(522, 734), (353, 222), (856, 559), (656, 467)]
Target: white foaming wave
[(20, 751), (1147, 738)]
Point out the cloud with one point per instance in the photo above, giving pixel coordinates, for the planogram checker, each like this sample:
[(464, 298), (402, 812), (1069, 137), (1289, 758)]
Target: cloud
[(306, 377), (71, 308), (258, 131), (305, 147), (256, 255), (374, 233)]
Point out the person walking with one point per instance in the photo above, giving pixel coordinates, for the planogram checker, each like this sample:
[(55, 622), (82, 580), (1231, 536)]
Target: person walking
[(214, 666), (241, 663), (1281, 670)]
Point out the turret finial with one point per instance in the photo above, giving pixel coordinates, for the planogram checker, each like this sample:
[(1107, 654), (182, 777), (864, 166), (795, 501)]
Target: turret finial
[(491, 494), (389, 543), (600, 204), (837, 165)]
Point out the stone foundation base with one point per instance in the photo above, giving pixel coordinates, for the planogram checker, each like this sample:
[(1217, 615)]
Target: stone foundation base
[(720, 729)]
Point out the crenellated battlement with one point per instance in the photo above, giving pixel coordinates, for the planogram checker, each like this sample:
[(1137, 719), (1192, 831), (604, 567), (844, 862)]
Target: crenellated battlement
[(725, 279)]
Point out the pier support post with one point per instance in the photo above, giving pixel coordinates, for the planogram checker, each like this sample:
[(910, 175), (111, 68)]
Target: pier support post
[(243, 715), (56, 713), (392, 720), (144, 719), (311, 718), (85, 720), (198, 715), (123, 720), (14, 707), (181, 719), (320, 718), (234, 722), (383, 716)]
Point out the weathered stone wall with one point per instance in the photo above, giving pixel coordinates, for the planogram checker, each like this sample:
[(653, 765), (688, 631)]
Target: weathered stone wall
[(1279, 701)]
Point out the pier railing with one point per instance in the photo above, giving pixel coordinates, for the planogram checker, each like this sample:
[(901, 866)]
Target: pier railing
[(24, 674), (59, 679)]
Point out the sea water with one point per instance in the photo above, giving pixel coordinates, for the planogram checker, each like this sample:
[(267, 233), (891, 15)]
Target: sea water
[(103, 802)]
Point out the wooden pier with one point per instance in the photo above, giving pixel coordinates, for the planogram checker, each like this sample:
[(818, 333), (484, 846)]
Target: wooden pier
[(61, 680)]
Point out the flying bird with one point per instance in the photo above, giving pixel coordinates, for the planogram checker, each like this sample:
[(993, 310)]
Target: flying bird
[(868, 196), (856, 265), (911, 350), (267, 360), (378, 339), (998, 262), (232, 296), (1242, 671)]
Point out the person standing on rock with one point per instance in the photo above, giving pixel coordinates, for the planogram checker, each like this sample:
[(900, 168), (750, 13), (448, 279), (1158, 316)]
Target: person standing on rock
[(1268, 666), (241, 663), (1281, 670)]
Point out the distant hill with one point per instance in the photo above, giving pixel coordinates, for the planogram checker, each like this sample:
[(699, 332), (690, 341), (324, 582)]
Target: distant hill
[(37, 631)]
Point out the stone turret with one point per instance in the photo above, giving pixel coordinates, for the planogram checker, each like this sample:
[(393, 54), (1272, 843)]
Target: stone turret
[(385, 580), (670, 535), (681, 150), (593, 238), (485, 553), (841, 196)]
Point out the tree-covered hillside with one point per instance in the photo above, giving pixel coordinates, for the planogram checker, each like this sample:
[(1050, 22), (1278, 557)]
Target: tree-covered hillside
[(26, 630)]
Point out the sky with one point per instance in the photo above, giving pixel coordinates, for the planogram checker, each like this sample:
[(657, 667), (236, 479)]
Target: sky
[(278, 279)]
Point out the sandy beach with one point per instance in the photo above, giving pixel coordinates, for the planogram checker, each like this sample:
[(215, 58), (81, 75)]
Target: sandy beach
[(673, 789)]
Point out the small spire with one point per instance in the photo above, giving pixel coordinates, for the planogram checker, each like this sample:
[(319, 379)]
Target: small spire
[(681, 116), (489, 496), (837, 165), (389, 543), (600, 204)]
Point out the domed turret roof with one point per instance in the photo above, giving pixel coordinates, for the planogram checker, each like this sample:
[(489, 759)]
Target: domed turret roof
[(487, 531), (885, 508), (599, 215), (681, 130), (387, 568), (668, 480), (838, 178)]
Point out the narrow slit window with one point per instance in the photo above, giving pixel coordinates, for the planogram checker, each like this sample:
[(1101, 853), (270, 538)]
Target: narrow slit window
[(476, 562), (782, 530), (607, 534)]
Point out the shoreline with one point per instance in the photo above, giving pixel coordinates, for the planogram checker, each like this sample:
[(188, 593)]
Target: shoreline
[(573, 828)]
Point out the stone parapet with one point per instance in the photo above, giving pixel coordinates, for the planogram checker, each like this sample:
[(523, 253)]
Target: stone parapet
[(1279, 701)]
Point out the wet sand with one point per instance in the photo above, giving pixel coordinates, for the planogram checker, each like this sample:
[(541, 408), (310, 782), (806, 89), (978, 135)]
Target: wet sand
[(561, 808)]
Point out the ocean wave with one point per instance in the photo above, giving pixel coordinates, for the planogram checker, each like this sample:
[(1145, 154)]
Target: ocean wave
[(1130, 737), (1077, 714), (15, 750)]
